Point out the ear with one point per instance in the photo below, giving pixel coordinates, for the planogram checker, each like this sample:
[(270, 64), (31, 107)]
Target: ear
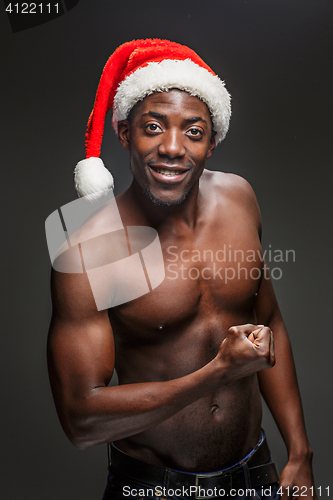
[(124, 134), (211, 145)]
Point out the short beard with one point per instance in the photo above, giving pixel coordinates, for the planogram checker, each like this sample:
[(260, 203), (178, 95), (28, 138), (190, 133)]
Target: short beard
[(162, 203)]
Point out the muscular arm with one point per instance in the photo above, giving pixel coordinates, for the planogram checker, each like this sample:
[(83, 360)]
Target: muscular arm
[(280, 390), (81, 362)]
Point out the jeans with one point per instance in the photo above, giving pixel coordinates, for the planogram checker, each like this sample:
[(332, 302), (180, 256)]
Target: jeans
[(121, 487)]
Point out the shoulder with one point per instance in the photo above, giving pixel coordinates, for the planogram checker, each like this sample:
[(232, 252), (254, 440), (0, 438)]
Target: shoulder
[(233, 191), (94, 239), (228, 184)]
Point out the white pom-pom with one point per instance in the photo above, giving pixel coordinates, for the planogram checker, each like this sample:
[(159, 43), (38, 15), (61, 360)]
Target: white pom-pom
[(92, 179)]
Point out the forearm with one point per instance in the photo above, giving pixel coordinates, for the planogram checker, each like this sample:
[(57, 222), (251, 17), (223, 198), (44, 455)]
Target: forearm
[(279, 385), (280, 390), (112, 413)]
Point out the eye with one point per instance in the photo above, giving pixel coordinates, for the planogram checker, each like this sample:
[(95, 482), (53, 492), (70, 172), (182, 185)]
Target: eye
[(195, 133), (153, 128)]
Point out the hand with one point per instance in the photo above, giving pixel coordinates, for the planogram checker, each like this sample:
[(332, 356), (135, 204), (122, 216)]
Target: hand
[(296, 480), (247, 349)]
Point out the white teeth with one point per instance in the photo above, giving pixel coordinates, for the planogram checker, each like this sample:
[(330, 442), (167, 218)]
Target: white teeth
[(168, 172)]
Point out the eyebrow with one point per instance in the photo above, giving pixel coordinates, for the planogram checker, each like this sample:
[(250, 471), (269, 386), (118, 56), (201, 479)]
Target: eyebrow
[(154, 114), (160, 116), (195, 119)]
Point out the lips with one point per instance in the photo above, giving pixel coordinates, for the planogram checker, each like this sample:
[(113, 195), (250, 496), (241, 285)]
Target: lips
[(165, 173)]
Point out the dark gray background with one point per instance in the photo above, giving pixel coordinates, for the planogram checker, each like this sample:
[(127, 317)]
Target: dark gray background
[(276, 57)]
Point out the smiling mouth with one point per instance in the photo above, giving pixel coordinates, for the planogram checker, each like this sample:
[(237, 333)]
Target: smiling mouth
[(168, 172)]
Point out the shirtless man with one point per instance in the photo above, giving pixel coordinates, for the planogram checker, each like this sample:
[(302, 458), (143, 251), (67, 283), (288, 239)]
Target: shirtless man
[(192, 356)]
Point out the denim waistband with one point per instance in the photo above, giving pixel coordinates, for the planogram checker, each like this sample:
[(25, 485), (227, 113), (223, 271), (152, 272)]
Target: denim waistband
[(253, 458), (245, 459), (255, 469)]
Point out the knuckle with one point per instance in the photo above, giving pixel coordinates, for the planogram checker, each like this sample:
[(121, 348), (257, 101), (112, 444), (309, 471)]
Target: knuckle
[(248, 327), (266, 333)]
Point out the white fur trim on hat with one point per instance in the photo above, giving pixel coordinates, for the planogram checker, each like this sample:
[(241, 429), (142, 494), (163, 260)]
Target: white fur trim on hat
[(92, 179), (183, 75)]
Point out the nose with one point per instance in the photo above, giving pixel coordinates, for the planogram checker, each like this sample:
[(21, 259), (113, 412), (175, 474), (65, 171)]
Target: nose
[(171, 145)]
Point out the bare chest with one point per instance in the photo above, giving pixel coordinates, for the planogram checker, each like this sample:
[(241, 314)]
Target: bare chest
[(214, 270)]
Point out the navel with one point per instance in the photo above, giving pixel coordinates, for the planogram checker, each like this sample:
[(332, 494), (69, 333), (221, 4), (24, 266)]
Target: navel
[(214, 408)]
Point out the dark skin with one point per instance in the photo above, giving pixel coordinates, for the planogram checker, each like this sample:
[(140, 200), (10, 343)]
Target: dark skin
[(193, 355)]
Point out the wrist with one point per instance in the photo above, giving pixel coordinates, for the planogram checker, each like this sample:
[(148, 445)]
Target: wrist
[(221, 373), (302, 453)]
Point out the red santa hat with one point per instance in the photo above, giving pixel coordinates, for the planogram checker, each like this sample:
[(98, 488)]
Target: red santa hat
[(137, 69)]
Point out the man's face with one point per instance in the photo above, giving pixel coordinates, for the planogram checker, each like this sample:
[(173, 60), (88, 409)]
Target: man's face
[(169, 139)]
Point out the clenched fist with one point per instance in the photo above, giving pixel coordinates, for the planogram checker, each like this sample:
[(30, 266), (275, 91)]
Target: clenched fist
[(246, 349)]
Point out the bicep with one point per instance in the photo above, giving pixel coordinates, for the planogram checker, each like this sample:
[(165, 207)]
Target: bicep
[(268, 313), (80, 343), (266, 306)]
